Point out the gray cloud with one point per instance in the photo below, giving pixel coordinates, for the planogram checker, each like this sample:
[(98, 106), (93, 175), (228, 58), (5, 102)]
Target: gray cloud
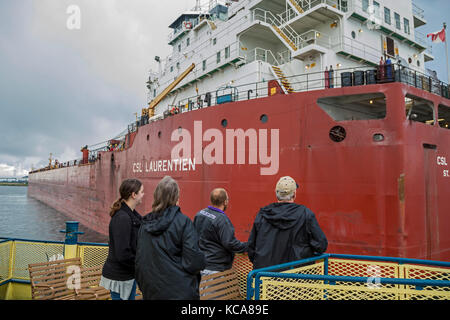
[(61, 89)]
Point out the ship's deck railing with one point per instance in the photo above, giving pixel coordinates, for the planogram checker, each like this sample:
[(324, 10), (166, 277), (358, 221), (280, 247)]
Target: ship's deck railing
[(17, 254), (314, 37), (272, 19), (307, 5), (316, 81), (351, 277), (260, 54), (418, 11)]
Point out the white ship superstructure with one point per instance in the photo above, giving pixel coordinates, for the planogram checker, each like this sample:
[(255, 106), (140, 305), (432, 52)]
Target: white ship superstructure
[(239, 46)]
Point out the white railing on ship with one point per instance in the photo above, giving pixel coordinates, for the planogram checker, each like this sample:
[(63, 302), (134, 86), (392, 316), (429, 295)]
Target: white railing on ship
[(307, 5), (284, 57), (260, 54), (356, 48), (314, 37), (273, 20), (418, 11)]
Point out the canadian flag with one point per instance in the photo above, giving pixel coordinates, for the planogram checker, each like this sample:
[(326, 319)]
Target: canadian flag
[(438, 36)]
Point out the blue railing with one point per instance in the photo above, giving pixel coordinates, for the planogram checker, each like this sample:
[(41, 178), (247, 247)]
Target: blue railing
[(254, 277)]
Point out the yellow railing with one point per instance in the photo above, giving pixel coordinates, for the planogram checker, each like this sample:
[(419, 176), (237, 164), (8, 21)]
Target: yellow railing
[(17, 254)]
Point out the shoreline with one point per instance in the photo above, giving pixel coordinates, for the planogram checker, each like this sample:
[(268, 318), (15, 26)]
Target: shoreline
[(12, 184)]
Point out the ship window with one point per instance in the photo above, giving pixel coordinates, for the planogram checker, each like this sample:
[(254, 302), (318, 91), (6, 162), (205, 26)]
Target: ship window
[(444, 116), (179, 47), (406, 25), (387, 15), (397, 20), (227, 52), (365, 5), (376, 9), (218, 57), (188, 42), (418, 109), (366, 106)]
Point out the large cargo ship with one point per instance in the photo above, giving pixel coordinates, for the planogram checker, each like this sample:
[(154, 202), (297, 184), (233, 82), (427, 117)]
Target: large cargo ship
[(334, 93)]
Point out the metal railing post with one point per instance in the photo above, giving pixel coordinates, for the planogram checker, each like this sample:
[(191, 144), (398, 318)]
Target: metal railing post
[(71, 239)]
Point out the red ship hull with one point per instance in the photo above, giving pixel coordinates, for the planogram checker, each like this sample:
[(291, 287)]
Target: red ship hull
[(387, 198)]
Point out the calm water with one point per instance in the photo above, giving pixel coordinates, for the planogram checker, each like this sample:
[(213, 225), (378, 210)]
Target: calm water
[(26, 218)]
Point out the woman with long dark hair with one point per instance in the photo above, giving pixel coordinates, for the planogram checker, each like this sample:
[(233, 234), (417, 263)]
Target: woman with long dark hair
[(168, 259), (118, 270)]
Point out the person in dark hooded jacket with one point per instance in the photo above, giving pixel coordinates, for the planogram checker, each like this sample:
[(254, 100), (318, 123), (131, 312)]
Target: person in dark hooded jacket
[(168, 259), (216, 234), (284, 231)]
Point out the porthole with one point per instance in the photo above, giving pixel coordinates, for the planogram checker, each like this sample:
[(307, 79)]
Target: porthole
[(264, 118), (224, 123), (378, 137), (353, 34), (337, 134), (159, 134), (148, 137)]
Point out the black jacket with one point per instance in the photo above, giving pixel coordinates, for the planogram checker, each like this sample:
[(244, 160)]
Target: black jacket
[(123, 230), (284, 232), (168, 259), (217, 240)]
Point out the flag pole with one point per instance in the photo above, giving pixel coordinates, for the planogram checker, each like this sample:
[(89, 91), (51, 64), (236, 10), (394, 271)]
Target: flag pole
[(446, 54)]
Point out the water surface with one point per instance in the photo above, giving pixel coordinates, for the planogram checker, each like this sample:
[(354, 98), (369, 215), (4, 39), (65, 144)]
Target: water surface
[(27, 218)]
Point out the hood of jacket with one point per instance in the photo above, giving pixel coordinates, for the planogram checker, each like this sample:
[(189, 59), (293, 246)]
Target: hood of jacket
[(156, 224), (282, 215)]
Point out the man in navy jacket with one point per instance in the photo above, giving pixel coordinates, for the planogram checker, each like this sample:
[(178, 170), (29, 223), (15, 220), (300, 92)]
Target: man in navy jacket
[(216, 234)]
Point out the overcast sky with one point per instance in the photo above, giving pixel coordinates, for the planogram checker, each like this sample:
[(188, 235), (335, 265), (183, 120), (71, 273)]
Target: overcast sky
[(61, 89)]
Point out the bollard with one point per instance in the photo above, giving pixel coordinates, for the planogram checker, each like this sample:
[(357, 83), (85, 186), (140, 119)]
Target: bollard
[(71, 240)]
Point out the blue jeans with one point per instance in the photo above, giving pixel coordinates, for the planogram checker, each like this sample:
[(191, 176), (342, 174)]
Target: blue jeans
[(116, 295)]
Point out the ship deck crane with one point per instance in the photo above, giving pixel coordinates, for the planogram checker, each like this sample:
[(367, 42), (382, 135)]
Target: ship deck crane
[(150, 111)]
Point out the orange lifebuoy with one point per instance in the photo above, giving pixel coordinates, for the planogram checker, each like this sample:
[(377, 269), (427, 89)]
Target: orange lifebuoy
[(188, 24)]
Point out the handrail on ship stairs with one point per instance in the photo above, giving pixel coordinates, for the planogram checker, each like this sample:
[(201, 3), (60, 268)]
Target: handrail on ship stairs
[(279, 23)]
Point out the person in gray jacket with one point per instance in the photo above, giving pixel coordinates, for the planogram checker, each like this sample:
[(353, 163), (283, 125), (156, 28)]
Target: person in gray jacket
[(216, 234)]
